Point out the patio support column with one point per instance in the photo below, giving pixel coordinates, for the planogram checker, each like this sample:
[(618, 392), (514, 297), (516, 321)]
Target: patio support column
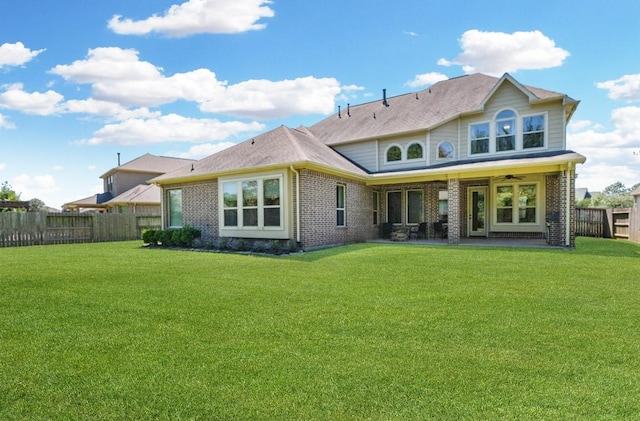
[(454, 210)]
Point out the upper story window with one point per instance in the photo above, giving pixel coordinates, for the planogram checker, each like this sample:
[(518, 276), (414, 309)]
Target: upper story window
[(174, 200), (533, 131), (394, 153), (445, 150), (479, 138), (505, 129), (415, 151), (507, 133)]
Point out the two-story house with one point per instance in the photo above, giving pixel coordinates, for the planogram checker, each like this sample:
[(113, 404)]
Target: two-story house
[(125, 187), (485, 155)]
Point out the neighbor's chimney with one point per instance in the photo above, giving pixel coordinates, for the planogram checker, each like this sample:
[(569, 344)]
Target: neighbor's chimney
[(384, 98)]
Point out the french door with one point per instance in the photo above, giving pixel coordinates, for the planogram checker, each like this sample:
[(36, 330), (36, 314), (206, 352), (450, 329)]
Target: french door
[(477, 212)]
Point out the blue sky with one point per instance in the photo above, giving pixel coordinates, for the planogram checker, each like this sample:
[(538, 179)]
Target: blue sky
[(81, 81)]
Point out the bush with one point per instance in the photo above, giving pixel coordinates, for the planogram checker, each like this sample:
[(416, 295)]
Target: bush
[(150, 237), (182, 237)]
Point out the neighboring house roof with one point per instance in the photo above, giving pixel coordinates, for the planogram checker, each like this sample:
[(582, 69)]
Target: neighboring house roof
[(582, 193), (424, 110), (92, 201), (636, 192), (147, 194), (149, 163), (276, 148)]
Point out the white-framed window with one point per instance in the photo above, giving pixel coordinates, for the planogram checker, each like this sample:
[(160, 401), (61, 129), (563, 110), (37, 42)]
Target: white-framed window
[(393, 153), (533, 131), (376, 207), (415, 207), (445, 150), (394, 207), (341, 220), (253, 203), (415, 151), (479, 136), (517, 203), (508, 132), (174, 201), (505, 131)]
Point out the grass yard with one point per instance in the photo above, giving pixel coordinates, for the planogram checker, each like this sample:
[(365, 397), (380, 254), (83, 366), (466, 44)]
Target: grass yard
[(368, 331)]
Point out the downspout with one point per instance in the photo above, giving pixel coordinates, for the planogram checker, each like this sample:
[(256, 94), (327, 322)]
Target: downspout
[(568, 204), (297, 203)]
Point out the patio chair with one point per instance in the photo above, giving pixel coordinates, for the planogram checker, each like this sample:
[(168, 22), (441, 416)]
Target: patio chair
[(439, 229), (422, 230)]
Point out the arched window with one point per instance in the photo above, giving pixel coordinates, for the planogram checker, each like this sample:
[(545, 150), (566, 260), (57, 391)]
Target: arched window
[(505, 131), (394, 153), (415, 151), (445, 150)]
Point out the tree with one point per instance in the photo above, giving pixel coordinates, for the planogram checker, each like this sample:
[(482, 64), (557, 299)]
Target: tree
[(36, 205), (616, 195), (7, 193)]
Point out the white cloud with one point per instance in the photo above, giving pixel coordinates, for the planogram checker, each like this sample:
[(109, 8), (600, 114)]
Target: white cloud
[(92, 167), (31, 187), (2, 166), (58, 168), (496, 53), (16, 54), (199, 16), (106, 108), (626, 88), (38, 103), (410, 33), (426, 79), (118, 77), (5, 123), (169, 128), (268, 99), (108, 64), (610, 156), (201, 151)]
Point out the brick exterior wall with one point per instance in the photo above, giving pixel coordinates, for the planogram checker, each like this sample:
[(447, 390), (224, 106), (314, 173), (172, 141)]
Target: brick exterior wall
[(318, 225), (455, 194), (200, 207), (318, 210)]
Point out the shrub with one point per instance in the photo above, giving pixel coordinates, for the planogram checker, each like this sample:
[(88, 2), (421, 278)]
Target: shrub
[(182, 237), (150, 237)]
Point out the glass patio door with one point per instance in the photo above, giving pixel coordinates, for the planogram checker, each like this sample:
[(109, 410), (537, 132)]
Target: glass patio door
[(477, 212)]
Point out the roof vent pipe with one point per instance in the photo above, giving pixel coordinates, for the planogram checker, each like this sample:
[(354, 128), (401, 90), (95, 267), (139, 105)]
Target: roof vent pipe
[(339, 115), (384, 98), (118, 158), (349, 109)]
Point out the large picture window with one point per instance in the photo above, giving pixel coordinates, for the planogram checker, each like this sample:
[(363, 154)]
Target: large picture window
[(175, 207), (516, 204), (252, 203)]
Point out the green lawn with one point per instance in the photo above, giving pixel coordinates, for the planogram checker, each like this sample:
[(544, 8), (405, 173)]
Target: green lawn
[(368, 331)]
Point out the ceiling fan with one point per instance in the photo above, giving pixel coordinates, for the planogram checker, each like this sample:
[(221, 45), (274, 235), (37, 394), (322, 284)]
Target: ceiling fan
[(512, 177)]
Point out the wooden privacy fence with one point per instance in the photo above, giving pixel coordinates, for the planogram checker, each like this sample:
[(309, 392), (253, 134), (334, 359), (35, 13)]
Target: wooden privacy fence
[(622, 223), (39, 228), (591, 222)]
